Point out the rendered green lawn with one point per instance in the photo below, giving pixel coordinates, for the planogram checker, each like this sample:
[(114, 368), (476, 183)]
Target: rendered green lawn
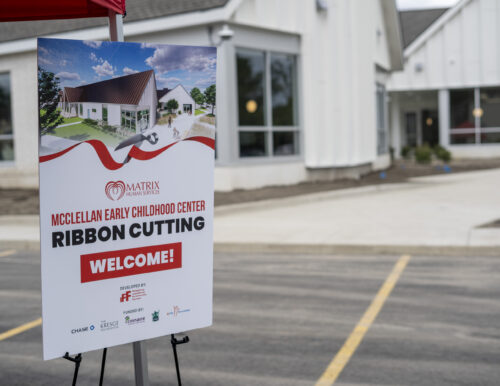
[(199, 112), (83, 132), (71, 120)]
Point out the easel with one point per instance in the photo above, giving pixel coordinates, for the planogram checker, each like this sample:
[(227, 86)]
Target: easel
[(140, 362)]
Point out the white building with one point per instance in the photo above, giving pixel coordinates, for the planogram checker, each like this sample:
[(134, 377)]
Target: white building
[(449, 91), (180, 94), (300, 86), (106, 101)]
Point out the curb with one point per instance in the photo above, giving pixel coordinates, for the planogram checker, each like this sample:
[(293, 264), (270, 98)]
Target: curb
[(432, 250), (320, 249)]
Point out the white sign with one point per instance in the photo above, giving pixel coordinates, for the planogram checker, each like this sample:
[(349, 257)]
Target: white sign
[(126, 191)]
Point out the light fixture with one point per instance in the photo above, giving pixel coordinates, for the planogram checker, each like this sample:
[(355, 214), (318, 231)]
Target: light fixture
[(251, 106), (428, 121), (477, 112), (224, 34), (321, 5)]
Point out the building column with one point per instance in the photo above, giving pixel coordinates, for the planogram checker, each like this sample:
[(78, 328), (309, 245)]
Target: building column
[(444, 117), (395, 125)]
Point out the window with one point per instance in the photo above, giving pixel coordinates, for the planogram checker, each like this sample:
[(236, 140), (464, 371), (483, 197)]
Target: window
[(105, 113), (128, 119), (143, 119), (267, 113), (251, 69), (475, 116), (81, 109), (382, 147), (411, 129), (94, 110), (6, 135)]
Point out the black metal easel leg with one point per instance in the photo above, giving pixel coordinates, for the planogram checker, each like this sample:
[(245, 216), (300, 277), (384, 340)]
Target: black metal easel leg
[(175, 342), (76, 360), (103, 364)]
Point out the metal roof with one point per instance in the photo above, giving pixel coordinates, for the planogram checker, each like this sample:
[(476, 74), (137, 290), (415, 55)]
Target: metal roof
[(136, 10), (125, 90), (414, 22)]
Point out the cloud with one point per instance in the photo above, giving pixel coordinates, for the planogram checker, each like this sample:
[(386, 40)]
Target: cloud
[(205, 82), (66, 76), (104, 69), (42, 60), (92, 43), (129, 71), (171, 58), (64, 62), (93, 57), (169, 82)]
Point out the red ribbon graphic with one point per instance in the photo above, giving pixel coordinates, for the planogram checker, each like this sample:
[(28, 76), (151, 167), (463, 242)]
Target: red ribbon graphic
[(136, 153)]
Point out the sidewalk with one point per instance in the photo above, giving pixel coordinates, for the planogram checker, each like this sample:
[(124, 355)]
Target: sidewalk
[(425, 215)]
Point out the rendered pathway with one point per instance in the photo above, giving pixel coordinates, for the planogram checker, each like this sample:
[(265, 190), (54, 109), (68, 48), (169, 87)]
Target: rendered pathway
[(437, 211)]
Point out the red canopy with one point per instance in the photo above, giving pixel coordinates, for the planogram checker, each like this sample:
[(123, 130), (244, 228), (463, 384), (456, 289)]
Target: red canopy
[(19, 10)]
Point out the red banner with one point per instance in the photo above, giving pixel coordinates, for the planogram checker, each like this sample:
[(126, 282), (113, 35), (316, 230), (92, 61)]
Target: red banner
[(127, 262)]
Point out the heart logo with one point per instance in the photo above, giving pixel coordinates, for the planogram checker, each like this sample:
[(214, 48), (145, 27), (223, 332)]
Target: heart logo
[(115, 190)]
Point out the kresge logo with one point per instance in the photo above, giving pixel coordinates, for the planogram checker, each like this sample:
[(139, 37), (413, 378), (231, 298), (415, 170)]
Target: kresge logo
[(115, 190)]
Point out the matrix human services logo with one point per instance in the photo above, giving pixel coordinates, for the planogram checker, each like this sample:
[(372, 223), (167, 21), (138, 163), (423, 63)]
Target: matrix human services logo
[(115, 190)]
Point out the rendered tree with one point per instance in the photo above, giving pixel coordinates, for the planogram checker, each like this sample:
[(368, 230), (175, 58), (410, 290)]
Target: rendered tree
[(172, 105), (48, 98), (210, 96), (198, 97)]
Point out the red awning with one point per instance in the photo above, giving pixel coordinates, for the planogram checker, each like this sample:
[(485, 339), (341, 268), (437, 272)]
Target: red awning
[(19, 10)]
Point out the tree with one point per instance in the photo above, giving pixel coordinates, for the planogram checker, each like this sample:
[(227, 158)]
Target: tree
[(198, 97), (210, 96), (172, 105), (48, 98)]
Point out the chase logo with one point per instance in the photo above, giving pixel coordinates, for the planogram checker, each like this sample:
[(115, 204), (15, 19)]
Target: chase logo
[(83, 329)]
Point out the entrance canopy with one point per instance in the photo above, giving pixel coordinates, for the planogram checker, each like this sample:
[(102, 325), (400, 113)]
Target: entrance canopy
[(19, 10)]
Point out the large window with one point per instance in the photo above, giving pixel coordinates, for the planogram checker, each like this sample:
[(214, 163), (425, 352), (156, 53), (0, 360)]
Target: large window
[(104, 113), (267, 112), (128, 119), (143, 119), (6, 137), (382, 147), (475, 116)]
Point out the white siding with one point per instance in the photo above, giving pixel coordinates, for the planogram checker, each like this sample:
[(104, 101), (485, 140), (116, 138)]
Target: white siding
[(180, 95), (150, 100), (463, 52), (114, 115), (88, 113)]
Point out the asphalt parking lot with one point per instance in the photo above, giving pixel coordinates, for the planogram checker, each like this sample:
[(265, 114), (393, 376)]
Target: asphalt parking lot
[(280, 319)]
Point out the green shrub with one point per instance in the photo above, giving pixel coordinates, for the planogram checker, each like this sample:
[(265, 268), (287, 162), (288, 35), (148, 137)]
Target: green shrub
[(109, 128), (442, 154), (423, 154), (90, 122), (179, 112), (406, 152)]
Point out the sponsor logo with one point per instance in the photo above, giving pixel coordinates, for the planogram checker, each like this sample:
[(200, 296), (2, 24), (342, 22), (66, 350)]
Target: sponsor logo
[(107, 325), (83, 329), (131, 321), (176, 310), (134, 294), (156, 315), (115, 190), (125, 296)]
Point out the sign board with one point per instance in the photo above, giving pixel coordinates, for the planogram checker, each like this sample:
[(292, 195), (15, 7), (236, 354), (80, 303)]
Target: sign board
[(126, 191)]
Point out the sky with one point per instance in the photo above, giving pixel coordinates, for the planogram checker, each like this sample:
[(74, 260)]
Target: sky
[(77, 63), (418, 4)]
